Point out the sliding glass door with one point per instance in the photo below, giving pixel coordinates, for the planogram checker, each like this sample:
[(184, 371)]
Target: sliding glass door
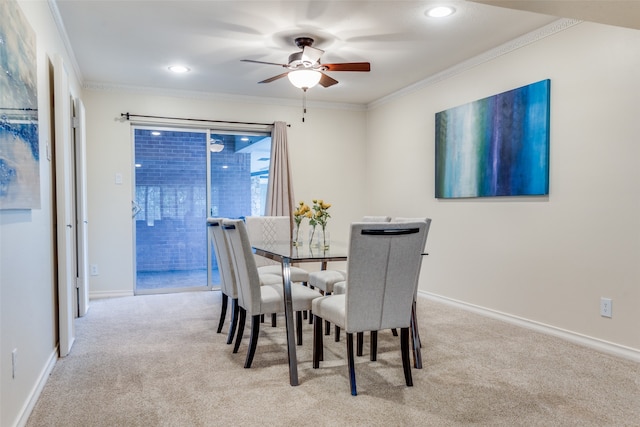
[(171, 205), (181, 177)]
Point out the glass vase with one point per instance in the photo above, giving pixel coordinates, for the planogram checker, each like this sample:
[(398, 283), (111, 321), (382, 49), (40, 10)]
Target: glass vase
[(314, 238), (324, 239), (296, 239)]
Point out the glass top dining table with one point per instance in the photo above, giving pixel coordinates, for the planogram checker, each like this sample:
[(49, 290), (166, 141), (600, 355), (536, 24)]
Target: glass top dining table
[(286, 254)]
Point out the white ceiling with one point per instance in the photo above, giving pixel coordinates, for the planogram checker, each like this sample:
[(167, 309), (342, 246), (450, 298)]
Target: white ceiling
[(131, 43)]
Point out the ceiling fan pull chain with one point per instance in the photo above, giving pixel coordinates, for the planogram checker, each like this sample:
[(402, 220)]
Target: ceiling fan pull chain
[(304, 103)]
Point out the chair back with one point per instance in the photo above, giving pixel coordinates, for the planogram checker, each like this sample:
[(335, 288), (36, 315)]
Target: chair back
[(424, 244), (267, 230), (383, 267), (401, 219), (225, 267), (370, 218), (244, 265)]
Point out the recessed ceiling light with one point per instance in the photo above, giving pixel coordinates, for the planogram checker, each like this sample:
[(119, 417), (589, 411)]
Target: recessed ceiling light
[(179, 69), (440, 11)]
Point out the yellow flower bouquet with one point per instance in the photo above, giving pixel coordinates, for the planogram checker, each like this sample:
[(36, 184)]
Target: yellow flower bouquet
[(321, 217), (299, 214)]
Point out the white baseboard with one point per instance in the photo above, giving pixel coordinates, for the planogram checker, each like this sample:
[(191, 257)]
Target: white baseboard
[(587, 341), (109, 294), (37, 389)]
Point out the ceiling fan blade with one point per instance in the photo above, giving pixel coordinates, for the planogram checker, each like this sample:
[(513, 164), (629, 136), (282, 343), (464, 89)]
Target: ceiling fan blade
[(311, 54), (274, 78), (348, 66), (326, 81), (262, 62)]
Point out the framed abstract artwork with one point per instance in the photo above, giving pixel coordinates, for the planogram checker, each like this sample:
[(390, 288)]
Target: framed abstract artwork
[(496, 146), (19, 148)]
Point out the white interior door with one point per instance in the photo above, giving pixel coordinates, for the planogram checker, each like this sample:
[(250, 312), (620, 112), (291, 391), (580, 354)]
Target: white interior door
[(65, 208), (82, 219)]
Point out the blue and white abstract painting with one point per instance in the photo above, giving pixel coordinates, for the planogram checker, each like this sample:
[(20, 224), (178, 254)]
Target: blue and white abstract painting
[(496, 146), (19, 148)]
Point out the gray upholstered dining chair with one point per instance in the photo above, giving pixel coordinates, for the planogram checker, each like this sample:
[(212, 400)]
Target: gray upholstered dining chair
[(227, 281), (324, 280), (340, 288), (228, 286), (255, 299), (383, 266)]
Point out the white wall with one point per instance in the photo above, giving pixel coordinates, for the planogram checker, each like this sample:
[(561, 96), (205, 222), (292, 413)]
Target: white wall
[(326, 156), (27, 286), (545, 259)]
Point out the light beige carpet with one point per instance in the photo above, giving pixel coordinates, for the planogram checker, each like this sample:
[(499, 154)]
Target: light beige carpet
[(156, 360)]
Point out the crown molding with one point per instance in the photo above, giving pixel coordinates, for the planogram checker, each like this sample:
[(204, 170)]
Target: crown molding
[(210, 96), (513, 45), (57, 18)]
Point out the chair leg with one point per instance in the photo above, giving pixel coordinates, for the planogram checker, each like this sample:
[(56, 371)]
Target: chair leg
[(415, 339), (337, 328), (274, 321), (233, 324), (310, 312), (360, 340), (352, 365), (394, 331), (374, 346), (318, 349), (241, 321), (253, 342), (327, 325), (305, 312), (299, 327), (404, 347), (223, 312)]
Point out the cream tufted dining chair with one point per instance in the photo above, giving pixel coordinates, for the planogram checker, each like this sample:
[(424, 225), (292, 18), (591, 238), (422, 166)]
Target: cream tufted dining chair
[(254, 299), (227, 281), (269, 230), (228, 286), (383, 266)]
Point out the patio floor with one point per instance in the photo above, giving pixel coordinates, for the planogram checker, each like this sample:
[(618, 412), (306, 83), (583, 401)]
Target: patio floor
[(175, 279)]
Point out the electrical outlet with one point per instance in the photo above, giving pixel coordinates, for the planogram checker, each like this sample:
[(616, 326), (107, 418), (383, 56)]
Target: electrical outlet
[(14, 357), (94, 269), (605, 307)]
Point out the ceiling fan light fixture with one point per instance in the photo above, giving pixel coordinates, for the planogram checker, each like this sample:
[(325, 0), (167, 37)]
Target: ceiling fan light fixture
[(440, 11), (216, 146), (179, 69), (304, 79)]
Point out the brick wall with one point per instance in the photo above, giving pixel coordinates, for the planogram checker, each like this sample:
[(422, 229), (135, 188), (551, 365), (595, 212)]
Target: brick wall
[(171, 189)]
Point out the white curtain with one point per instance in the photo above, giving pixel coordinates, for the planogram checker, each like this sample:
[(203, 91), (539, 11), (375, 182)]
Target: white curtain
[(280, 198)]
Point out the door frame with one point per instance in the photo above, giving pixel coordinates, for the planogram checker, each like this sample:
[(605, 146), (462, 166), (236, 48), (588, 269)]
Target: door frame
[(65, 210), (82, 215)]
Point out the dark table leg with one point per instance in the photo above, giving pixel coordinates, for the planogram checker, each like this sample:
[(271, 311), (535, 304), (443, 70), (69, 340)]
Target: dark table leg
[(288, 317)]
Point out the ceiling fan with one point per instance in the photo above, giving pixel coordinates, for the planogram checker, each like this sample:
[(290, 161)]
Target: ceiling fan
[(305, 69)]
